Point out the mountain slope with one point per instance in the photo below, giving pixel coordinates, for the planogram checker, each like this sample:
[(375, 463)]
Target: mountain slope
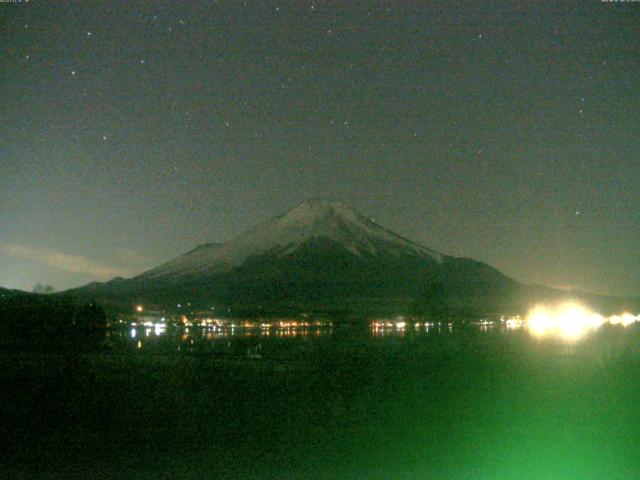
[(193, 262), (313, 219), (319, 256)]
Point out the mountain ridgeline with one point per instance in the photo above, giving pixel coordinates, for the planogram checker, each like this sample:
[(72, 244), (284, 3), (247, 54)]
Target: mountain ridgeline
[(321, 257)]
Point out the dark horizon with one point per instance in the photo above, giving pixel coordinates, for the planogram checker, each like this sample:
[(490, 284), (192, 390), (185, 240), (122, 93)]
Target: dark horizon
[(502, 133)]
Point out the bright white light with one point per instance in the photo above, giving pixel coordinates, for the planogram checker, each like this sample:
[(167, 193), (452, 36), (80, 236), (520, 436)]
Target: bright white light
[(539, 321), (570, 321), (574, 321), (513, 323), (625, 319)]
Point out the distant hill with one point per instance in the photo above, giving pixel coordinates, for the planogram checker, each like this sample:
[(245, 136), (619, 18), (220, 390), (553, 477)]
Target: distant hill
[(321, 256)]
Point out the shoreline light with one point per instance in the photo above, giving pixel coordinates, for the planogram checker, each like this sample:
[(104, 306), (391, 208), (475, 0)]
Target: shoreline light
[(571, 321)]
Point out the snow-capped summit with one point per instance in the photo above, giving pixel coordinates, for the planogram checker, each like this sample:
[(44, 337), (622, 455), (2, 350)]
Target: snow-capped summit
[(320, 256), (314, 219)]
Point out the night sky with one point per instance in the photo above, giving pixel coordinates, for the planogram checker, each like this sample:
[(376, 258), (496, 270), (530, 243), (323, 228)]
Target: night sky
[(508, 132)]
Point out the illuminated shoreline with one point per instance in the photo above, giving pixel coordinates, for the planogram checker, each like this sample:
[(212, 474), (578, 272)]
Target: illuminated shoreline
[(571, 321)]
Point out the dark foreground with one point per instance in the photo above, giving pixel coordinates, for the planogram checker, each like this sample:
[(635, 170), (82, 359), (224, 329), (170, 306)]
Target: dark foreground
[(465, 405)]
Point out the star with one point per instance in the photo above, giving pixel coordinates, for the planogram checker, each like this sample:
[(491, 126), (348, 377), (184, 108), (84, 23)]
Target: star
[(73, 73)]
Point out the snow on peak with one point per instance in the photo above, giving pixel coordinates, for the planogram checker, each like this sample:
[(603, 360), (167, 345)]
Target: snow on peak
[(318, 218), (316, 212), (312, 219)]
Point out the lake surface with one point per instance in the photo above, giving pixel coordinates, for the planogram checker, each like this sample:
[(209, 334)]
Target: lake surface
[(473, 402)]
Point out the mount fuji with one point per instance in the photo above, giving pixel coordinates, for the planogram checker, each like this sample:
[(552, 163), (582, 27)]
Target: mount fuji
[(333, 223), (321, 256)]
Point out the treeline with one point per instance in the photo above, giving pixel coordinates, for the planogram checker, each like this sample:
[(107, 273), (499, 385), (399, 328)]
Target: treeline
[(34, 322)]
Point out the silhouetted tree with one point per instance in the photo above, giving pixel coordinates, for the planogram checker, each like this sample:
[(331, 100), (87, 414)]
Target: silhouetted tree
[(40, 288), (37, 322)]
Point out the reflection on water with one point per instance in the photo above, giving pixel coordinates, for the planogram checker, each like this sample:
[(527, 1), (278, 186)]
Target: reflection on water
[(567, 323), (186, 334), (567, 326), (239, 339), (248, 338), (284, 338), (400, 326), (393, 399)]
